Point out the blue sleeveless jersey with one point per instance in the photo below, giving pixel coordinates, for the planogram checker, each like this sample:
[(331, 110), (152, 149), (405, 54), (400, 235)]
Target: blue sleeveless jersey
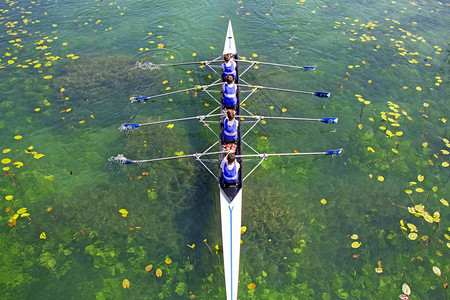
[(229, 70), (230, 130), (230, 175), (229, 94)]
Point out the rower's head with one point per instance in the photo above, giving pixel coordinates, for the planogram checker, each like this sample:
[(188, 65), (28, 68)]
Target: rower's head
[(227, 57), (231, 158), (229, 79), (230, 114)]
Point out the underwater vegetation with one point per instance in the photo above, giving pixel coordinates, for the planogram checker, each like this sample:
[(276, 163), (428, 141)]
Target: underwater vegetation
[(372, 224)]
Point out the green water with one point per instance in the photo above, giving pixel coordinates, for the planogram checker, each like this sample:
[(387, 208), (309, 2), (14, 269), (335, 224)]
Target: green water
[(295, 247)]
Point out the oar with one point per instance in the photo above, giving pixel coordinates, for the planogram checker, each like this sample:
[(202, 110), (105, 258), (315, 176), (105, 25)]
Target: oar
[(189, 63), (204, 62), (131, 126), (329, 120), (279, 65), (262, 155), (143, 99), (317, 94), (125, 161)]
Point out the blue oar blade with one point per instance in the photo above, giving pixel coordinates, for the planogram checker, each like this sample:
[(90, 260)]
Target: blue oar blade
[(334, 152), (329, 120), (308, 68), (139, 99), (129, 126), (322, 94)]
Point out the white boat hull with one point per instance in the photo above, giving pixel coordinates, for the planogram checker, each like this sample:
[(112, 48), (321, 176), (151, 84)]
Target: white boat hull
[(230, 213), (230, 44)]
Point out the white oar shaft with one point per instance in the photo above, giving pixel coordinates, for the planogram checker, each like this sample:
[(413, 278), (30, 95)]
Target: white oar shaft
[(275, 89), (189, 63), (185, 90), (181, 119), (185, 63), (175, 157), (280, 154), (278, 118), (269, 63)]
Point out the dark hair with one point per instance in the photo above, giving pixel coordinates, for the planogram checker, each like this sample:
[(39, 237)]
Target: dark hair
[(231, 158), (229, 79), (230, 114), (227, 57)]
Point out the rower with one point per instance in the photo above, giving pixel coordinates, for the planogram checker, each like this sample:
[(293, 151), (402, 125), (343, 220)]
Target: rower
[(230, 168), (229, 66), (229, 90), (230, 130)]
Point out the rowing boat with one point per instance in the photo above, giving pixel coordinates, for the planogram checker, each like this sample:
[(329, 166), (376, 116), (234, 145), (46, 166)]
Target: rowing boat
[(231, 198), (230, 195)]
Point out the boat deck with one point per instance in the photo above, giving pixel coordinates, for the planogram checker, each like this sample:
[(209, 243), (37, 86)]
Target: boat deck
[(231, 190)]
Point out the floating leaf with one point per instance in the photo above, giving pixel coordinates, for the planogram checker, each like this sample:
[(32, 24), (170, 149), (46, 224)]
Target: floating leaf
[(420, 178), (170, 126), (354, 237), (284, 109), (251, 286), (9, 197), (437, 271), (158, 273), (6, 161), (243, 229), (412, 236), (168, 261), (412, 227), (48, 77), (6, 150), (160, 46), (360, 126), (126, 284), (43, 236), (124, 212), (380, 178), (356, 245), (406, 289), (419, 190), (22, 210), (148, 268), (323, 201)]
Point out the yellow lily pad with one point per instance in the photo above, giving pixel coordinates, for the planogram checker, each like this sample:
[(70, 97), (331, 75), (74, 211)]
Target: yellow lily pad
[(125, 283)]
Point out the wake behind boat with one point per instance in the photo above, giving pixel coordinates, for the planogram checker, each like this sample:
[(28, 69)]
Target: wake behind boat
[(230, 194)]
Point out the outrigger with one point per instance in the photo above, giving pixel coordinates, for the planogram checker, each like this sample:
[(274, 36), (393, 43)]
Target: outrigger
[(230, 194)]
